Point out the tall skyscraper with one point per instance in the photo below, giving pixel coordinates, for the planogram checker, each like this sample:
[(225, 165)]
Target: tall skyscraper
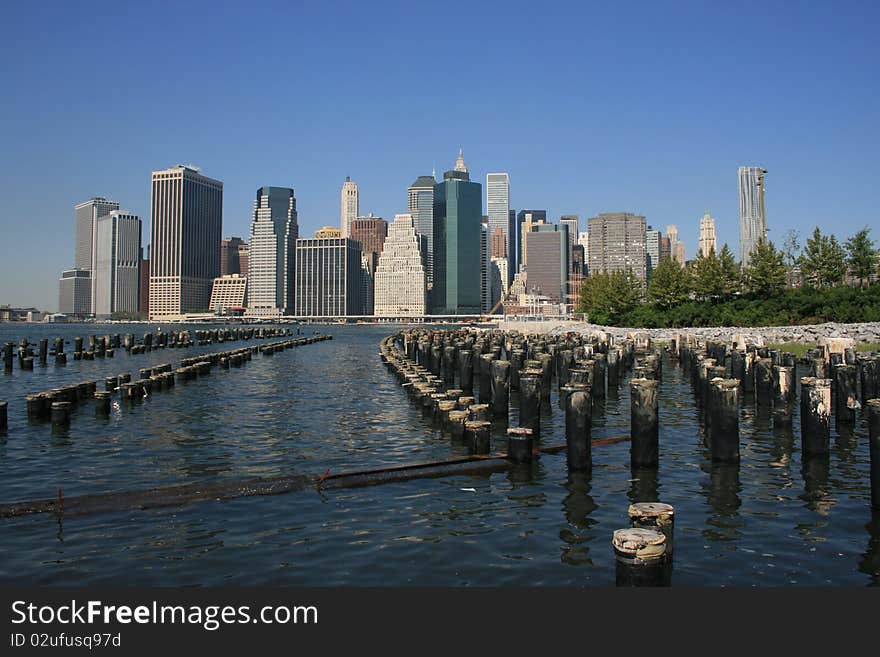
[(144, 296), (420, 204), (752, 220), (371, 233), (186, 223), (271, 277), (350, 205), (87, 213), (617, 243), (525, 219), (116, 265), (676, 248), (486, 301), (572, 221), (328, 277), (652, 249), (498, 211), (401, 281), (244, 257), (708, 243), (547, 265), (498, 247), (230, 255), (457, 234)]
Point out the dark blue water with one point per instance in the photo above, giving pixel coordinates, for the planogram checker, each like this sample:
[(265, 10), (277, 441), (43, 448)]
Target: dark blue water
[(767, 522)]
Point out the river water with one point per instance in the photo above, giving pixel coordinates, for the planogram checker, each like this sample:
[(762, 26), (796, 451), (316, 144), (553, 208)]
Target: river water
[(768, 522)]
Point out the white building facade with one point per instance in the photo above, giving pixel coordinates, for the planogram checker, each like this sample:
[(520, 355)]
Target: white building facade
[(400, 281), (752, 220), (350, 205), (116, 264), (271, 277)]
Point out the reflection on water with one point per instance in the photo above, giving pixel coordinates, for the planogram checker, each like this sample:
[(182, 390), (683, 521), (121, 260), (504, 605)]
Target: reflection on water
[(774, 519)]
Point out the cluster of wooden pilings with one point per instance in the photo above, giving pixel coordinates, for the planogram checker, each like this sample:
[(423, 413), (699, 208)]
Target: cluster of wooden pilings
[(465, 378), (57, 404), (104, 346), (839, 382)]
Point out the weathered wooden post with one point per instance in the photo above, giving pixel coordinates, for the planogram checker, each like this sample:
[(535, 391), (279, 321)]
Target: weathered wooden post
[(457, 420), (578, 427), (3, 416), (783, 394), (448, 366), (8, 356), (874, 448), (748, 380), (102, 403), (764, 381), (500, 397), (476, 435), (466, 370), (485, 392), (61, 413), (43, 352), (724, 431), (657, 516), (644, 424), (869, 376), (815, 415), (520, 444), (846, 402), (640, 557), (546, 361), (600, 371), (517, 358), (530, 400)]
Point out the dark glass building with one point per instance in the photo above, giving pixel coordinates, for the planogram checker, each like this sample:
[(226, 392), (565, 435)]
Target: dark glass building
[(328, 277), (458, 214)]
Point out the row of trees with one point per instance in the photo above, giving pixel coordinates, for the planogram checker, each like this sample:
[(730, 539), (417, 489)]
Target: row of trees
[(715, 278)]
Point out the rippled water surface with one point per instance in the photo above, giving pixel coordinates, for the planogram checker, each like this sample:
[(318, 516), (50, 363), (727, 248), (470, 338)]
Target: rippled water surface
[(769, 521)]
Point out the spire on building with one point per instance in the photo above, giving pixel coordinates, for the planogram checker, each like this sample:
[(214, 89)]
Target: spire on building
[(459, 162)]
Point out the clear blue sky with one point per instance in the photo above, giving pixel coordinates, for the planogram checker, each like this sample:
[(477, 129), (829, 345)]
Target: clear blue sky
[(646, 107)]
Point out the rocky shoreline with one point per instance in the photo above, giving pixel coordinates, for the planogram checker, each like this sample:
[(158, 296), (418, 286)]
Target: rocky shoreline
[(864, 332)]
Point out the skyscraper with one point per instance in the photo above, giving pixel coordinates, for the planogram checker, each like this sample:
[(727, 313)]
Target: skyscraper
[(328, 277), (498, 211), (676, 248), (572, 221), (708, 244), (486, 301), (752, 220), (271, 277), (457, 234), (548, 266), (400, 280), (86, 214), (350, 205), (370, 232), (230, 255), (116, 265), (617, 243), (186, 223), (420, 204), (525, 219), (652, 249)]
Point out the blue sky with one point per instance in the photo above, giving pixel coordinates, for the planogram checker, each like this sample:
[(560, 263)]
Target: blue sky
[(646, 107)]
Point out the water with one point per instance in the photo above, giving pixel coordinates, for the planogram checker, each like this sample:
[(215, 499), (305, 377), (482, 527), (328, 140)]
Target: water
[(768, 522)]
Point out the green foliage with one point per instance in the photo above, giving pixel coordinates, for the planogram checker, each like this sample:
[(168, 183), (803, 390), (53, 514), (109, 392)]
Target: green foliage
[(765, 274), (861, 255), (706, 276), (788, 307), (607, 297), (731, 272), (670, 284), (823, 262)]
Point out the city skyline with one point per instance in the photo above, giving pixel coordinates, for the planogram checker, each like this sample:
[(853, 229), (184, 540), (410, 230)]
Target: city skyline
[(668, 147)]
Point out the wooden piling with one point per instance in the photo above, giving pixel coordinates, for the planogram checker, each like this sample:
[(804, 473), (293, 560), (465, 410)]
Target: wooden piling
[(644, 424), (724, 429), (815, 415), (520, 444), (657, 516), (578, 427), (640, 556), (873, 407)]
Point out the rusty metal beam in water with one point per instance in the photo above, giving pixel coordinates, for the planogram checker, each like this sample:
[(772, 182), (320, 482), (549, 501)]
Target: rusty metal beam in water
[(189, 493)]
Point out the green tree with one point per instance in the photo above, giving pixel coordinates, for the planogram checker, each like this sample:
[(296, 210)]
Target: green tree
[(731, 272), (607, 297), (823, 261), (766, 272), (861, 256), (791, 246), (669, 284), (707, 279)]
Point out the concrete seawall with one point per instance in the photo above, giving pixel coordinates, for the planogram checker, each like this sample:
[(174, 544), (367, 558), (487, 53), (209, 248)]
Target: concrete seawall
[(865, 332)]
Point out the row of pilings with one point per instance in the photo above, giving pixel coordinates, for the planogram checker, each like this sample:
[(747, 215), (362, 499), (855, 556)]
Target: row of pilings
[(56, 405), (465, 379), (838, 383), (104, 346)]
